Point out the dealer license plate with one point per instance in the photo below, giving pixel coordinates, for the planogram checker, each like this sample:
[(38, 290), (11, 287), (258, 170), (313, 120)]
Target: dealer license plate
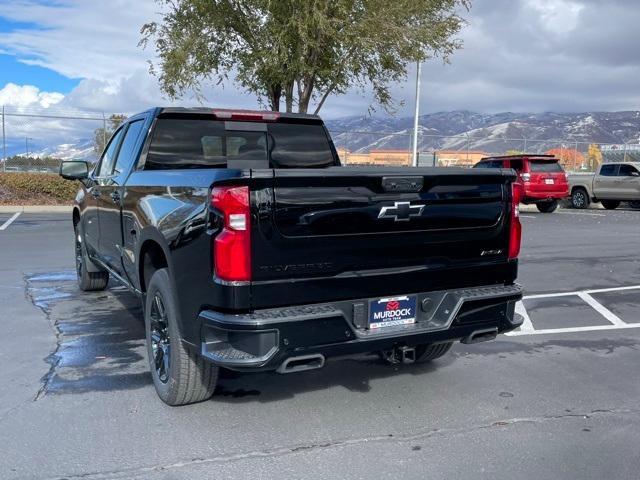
[(548, 181), (386, 312)]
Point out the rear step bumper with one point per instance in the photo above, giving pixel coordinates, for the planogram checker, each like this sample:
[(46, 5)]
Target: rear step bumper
[(296, 338)]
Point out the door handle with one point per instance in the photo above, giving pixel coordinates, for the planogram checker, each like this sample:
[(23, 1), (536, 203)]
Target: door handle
[(115, 196), (95, 193)]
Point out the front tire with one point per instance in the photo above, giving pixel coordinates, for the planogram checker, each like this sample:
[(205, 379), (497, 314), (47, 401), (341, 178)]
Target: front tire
[(579, 198), (180, 376), (87, 281), (610, 204), (547, 207)]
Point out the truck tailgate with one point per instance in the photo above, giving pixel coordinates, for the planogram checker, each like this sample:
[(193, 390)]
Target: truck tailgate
[(337, 233)]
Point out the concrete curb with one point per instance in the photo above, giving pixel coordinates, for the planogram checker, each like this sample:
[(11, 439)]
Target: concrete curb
[(36, 208)]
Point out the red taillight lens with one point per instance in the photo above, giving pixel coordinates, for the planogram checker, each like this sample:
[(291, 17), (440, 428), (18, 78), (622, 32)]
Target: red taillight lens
[(250, 115), (515, 228), (232, 246)]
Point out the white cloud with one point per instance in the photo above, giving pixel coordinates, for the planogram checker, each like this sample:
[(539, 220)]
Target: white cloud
[(519, 55), (80, 39), (557, 16), (21, 96)]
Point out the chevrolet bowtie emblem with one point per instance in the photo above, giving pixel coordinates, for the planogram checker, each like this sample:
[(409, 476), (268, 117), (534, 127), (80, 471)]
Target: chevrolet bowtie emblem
[(401, 211)]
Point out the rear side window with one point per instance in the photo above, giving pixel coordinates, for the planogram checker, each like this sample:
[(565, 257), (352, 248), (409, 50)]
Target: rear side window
[(126, 155), (489, 164), (204, 143), (627, 171), (109, 155), (608, 170), (544, 167), (516, 165)]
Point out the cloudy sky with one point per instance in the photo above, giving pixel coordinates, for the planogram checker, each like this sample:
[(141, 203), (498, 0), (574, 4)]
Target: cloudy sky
[(519, 55)]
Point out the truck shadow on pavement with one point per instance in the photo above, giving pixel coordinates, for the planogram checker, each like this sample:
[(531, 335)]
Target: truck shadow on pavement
[(101, 347), (99, 336)]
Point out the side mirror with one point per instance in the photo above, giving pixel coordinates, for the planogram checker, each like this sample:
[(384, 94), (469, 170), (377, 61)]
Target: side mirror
[(74, 169), (635, 174)]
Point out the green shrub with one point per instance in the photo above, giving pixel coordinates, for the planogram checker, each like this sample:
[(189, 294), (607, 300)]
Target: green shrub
[(22, 188)]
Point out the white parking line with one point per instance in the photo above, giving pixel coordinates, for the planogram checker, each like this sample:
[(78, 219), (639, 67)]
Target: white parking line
[(10, 221), (592, 328), (527, 327), (583, 213), (601, 309), (578, 292)]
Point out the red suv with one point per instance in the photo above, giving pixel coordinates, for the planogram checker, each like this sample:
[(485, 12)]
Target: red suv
[(542, 177)]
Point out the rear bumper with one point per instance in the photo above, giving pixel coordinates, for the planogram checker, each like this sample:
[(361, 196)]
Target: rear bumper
[(533, 196), (264, 339)]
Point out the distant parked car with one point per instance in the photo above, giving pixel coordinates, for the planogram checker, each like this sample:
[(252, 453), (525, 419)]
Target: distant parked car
[(611, 184), (542, 176)]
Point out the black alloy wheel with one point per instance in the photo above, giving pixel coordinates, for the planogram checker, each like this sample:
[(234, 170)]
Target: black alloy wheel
[(79, 254), (160, 340)]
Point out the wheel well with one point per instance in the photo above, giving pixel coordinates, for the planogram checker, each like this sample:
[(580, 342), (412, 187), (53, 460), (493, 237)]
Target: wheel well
[(76, 217), (579, 187), (152, 258)]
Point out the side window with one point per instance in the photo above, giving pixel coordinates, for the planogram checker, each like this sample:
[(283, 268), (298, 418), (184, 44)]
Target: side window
[(628, 171), (127, 154), (109, 155), (608, 170), (516, 165)]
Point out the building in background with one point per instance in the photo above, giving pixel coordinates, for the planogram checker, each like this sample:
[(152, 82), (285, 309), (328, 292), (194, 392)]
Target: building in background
[(459, 158), (402, 158), (620, 153)]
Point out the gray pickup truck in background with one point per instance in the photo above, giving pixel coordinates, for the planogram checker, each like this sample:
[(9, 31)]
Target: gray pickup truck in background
[(612, 184)]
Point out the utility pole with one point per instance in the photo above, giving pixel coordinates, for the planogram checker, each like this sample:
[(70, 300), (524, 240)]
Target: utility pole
[(104, 134), (26, 145), (415, 117), (4, 144)]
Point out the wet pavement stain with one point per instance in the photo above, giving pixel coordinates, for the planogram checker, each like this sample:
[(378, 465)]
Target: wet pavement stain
[(100, 336)]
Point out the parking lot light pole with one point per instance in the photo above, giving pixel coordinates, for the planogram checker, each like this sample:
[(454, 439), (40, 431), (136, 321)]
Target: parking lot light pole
[(415, 117), (4, 145)]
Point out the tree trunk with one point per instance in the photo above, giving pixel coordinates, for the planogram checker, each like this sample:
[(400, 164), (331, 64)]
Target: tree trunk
[(288, 96), (275, 92), (305, 95)]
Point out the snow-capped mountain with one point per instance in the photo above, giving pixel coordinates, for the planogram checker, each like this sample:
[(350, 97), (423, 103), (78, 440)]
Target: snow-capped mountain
[(78, 149), (457, 130), (493, 133)]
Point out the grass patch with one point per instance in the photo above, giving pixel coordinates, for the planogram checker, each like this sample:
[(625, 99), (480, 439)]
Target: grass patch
[(23, 188)]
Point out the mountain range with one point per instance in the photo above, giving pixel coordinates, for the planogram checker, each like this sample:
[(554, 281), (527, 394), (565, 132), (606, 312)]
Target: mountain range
[(456, 130), (492, 133)]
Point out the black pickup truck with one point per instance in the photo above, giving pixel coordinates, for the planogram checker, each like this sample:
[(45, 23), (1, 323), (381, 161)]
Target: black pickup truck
[(253, 249)]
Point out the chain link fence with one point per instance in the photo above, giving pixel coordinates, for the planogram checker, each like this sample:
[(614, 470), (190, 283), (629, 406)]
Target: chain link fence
[(36, 140)]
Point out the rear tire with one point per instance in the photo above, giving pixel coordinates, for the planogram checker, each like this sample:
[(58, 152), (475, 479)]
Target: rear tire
[(87, 281), (547, 207), (610, 204), (579, 198), (180, 376), (431, 351)]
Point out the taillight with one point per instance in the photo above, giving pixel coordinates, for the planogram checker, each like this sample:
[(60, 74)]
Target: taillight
[(515, 228), (250, 115), (232, 246), (526, 177)]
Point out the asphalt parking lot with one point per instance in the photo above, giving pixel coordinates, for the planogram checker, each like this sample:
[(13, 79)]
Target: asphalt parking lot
[(556, 399)]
